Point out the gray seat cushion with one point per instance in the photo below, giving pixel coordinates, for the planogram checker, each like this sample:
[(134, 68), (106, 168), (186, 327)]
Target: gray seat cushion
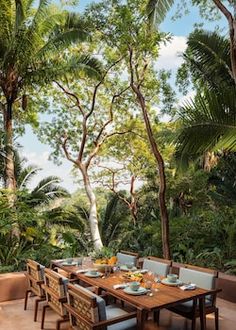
[(156, 267), (126, 259), (187, 306), (114, 311), (109, 312)]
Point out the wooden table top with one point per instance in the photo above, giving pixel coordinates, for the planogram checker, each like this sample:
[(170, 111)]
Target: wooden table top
[(163, 295)]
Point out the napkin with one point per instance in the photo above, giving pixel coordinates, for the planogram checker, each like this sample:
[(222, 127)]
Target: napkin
[(190, 286), (83, 270), (120, 286)]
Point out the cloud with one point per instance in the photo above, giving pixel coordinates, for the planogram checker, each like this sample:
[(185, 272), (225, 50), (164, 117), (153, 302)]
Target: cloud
[(41, 160), (170, 53)]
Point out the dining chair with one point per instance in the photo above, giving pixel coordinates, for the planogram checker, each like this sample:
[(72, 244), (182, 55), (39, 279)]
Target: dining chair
[(126, 257), (35, 277), (157, 265), (205, 280), (88, 311), (55, 287)]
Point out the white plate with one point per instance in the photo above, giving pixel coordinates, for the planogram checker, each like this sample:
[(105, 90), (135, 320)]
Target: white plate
[(139, 292), (88, 274), (65, 263), (126, 269), (166, 282)]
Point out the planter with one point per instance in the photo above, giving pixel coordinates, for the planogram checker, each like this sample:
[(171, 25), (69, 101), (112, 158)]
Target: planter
[(12, 286)]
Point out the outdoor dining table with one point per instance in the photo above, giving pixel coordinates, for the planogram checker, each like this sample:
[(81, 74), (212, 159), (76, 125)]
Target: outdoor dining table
[(162, 296)]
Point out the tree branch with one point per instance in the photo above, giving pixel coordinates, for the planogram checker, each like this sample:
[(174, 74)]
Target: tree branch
[(71, 95), (224, 11), (64, 147), (98, 85)]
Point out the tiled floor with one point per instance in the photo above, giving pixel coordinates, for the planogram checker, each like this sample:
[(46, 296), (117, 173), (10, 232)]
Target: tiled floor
[(13, 317)]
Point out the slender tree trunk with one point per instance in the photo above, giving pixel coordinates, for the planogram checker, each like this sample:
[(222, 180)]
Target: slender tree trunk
[(9, 175), (93, 218), (9, 153), (232, 32), (162, 178)]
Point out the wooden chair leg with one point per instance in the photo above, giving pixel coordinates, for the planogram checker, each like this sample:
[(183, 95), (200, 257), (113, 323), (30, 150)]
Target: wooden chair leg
[(37, 301), (193, 323), (58, 323), (156, 316), (43, 315), (217, 319), (26, 298)]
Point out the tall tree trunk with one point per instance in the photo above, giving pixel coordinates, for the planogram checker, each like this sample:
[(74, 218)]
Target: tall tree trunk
[(9, 153), (232, 32), (93, 218), (161, 171), (9, 175)]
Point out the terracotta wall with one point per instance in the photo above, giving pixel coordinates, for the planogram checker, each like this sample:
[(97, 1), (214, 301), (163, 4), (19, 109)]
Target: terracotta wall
[(12, 286)]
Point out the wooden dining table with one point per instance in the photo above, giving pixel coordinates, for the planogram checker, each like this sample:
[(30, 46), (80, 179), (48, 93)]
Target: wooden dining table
[(162, 296)]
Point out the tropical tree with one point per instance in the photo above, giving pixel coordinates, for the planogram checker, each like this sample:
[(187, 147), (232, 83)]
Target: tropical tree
[(209, 120), (31, 40), (156, 9), (139, 46)]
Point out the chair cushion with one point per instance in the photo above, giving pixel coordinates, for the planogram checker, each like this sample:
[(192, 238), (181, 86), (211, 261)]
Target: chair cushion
[(156, 267), (201, 279), (126, 258), (100, 302), (187, 306), (114, 311), (41, 271)]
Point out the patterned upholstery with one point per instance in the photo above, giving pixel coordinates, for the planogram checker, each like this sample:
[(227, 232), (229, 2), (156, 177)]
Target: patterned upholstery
[(86, 308), (35, 275), (55, 286), (156, 267)]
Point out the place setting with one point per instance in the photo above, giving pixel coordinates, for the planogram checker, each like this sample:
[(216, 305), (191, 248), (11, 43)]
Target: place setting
[(134, 288), (93, 273), (171, 280)]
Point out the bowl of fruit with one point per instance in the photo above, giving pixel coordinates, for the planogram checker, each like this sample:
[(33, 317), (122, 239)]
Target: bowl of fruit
[(105, 264)]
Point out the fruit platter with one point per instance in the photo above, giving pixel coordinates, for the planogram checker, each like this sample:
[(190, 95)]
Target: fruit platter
[(130, 276), (105, 264)]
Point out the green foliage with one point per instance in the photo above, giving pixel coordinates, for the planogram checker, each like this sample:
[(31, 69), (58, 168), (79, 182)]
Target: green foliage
[(208, 121), (105, 252)]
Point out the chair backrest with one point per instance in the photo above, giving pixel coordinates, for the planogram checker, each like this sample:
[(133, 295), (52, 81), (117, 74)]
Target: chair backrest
[(204, 280), (157, 265), (35, 277), (55, 286), (87, 307), (126, 257)]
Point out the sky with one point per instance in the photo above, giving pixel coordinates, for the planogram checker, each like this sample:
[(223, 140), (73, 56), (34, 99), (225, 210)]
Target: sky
[(170, 59)]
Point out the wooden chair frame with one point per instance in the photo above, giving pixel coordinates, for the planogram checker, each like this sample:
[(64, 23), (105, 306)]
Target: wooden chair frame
[(164, 261), (35, 282), (194, 314), (96, 325), (53, 286)]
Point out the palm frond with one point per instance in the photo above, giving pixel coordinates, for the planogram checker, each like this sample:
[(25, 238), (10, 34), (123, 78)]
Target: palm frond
[(157, 9), (26, 176), (208, 55), (74, 65), (209, 123)]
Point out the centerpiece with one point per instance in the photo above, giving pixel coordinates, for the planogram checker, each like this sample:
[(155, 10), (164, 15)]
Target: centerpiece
[(104, 260)]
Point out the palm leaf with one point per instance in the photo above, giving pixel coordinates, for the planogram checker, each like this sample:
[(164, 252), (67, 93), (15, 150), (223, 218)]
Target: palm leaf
[(208, 57), (209, 123), (157, 9)]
